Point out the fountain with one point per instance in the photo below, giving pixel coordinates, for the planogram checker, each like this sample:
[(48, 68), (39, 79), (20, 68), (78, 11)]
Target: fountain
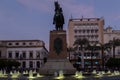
[(15, 74), (1, 73), (61, 76), (34, 72), (30, 74), (76, 74), (4, 72), (100, 74), (24, 72), (55, 74), (116, 73), (94, 72), (109, 72), (103, 72), (38, 75), (79, 75), (18, 72)]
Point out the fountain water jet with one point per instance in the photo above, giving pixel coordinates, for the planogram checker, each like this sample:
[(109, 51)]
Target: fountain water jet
[(79, 75), (94, 72), (61, 75), (31, 75)]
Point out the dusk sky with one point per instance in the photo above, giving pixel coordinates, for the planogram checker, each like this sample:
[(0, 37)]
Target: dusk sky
[(32, 19)]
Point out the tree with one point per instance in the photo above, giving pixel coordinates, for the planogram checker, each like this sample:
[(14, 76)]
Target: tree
[(92, 49), (2, 64), (113, 63), (80, 45), (9, 64), (114, 43), (98, 47), (103, 47)]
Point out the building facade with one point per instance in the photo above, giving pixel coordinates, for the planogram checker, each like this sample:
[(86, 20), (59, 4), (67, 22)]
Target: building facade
[(30, 53), (91, 29), (110, 34)]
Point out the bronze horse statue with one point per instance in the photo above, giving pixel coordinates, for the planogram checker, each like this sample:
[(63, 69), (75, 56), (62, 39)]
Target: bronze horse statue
[(58, 19)]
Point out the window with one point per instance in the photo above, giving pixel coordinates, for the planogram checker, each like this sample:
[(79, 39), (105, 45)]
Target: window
[(88, 31), (17, 54), (24, 64), (38, 64), (31, 54), (91, 31), (24, 54), (79, 31), (75, 31), (31, 64), (83, 31), (0, 54), (24, 43), (118, 51), (96, 31), (10, 54), (9, 43), (37, 54), (30, 43), (16, 43)]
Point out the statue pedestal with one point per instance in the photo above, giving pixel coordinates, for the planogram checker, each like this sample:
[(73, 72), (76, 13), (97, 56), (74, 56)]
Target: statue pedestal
[(57, 61), (56, 65)]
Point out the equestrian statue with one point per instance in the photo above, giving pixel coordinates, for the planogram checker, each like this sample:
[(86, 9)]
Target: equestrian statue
[(58, 19)]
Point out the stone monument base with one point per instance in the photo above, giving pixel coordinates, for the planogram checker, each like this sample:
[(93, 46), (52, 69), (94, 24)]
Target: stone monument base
[(56, 65)]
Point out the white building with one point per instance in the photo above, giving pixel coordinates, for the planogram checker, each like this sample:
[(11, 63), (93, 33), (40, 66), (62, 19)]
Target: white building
[(110, 34), (30, 53)]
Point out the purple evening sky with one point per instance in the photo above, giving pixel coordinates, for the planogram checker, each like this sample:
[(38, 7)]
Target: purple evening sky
[(32, 19)]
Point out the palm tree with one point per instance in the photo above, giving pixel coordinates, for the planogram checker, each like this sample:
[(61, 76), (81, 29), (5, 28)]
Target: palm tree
[(80, 45), (114, 43), (103, 47)]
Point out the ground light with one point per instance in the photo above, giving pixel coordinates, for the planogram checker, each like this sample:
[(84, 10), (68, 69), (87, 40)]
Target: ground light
[(3, 74), (78, 75), (99, 74), (109, 72), (61, 75), (94, 72), (115, 73), (31, 75), (38, 75), (15, 75)]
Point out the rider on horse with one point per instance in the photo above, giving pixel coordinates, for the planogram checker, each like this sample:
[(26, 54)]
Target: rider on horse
[(58, 19)]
